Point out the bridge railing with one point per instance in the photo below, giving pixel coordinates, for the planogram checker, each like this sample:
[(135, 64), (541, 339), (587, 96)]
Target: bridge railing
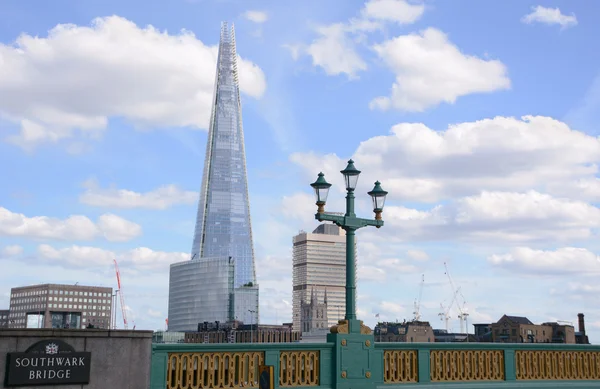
[(183, 366), (187, 366)]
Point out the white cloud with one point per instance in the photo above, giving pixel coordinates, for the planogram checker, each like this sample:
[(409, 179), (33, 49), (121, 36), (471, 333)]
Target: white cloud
[(387, 306), (561, 261), (430, 69), (116, 229), (161, 198), (334, 49), (417, 163), (497, 216), (75, 227), (76, 256), (141, 258), (144, 75), (335, 52), (256, 16), (399, 11), (549, 16), (11, 251)]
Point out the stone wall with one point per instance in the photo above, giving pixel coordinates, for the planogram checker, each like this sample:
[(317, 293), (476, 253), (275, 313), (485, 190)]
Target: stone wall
[(120, 358)]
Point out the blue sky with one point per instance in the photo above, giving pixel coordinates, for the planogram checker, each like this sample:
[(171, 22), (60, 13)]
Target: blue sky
[(478, 117)]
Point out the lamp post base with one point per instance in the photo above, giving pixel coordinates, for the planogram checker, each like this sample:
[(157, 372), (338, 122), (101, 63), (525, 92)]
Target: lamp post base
[(358, 365), (350, 327)]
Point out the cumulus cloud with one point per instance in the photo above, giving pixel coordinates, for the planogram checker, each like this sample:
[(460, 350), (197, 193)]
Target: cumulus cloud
[(256, 16), (416, 163), (560, 261), (149, 77), (141, 258), (430, 69), (550, 16), (498, 216), (399, 11), (335, 50), (160, 198), (75, 227)]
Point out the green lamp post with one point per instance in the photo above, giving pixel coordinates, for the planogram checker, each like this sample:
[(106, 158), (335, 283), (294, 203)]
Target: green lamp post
[(350, 223)]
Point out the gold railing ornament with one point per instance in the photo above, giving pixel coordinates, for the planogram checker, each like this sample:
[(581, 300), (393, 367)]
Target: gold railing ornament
[(557, 365), (466, 365), (400, 366), (299, 368), (226, 370)]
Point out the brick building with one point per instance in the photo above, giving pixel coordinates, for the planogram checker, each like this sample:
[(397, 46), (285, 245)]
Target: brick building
[(518, 329)]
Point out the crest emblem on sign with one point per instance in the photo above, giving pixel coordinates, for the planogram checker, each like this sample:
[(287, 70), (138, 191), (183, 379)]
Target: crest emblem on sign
[(52, 348)]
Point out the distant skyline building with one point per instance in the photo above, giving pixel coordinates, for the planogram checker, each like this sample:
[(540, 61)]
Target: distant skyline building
[(319, 265), (60, 306), (223, 232)]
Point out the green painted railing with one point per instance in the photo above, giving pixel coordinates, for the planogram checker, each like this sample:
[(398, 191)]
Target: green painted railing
[(354, 361)]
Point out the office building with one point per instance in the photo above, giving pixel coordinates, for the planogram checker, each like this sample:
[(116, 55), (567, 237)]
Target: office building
[(200, 284), (223, 227), (319, 264), (60, 306)]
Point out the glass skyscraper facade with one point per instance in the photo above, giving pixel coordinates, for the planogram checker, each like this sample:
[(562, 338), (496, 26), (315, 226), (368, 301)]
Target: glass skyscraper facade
[(223, 227), (199, 291)]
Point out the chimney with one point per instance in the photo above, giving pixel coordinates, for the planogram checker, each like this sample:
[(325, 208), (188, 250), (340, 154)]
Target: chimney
[(581, 323)]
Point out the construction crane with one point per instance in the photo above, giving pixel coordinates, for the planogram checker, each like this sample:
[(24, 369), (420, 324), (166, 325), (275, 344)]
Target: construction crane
[(417, 311), (445, 314), (123, 313), (462, 314)]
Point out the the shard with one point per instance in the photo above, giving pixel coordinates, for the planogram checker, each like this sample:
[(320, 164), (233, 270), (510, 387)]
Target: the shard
[(223, 232)]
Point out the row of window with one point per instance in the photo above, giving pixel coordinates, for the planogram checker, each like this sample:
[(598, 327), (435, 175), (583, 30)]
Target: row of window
[(65, 292), (79, 300), (68, 306)]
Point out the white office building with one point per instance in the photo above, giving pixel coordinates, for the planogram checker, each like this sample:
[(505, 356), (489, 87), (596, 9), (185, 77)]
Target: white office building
[(319, 264)]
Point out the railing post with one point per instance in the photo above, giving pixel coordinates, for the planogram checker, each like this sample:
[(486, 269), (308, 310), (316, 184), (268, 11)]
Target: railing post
[(272, 359), (158, 369), (423, 361), (510, 367)]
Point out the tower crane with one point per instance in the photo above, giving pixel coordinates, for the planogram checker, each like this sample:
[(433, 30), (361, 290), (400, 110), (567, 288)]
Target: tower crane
[(417, 311), (445, 314), (123, 311), (462, 314)]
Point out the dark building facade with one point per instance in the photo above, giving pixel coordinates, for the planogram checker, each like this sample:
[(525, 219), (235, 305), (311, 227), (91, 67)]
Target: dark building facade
[(411, 332), (4, 318), (236, 332)]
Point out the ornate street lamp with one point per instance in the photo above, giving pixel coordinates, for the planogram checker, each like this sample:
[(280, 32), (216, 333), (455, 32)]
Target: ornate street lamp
[(350, 223), (321, 188)]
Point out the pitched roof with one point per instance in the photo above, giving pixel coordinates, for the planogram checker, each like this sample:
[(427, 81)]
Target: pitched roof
[(518, 319)]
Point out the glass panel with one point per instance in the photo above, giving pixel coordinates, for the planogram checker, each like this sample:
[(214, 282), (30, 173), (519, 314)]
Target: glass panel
[(351, 181)]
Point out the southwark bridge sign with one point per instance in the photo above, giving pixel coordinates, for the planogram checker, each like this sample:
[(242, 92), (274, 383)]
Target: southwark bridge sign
[(48, 362)]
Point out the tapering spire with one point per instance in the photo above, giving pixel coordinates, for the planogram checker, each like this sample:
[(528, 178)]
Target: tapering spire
[(325, 297)]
